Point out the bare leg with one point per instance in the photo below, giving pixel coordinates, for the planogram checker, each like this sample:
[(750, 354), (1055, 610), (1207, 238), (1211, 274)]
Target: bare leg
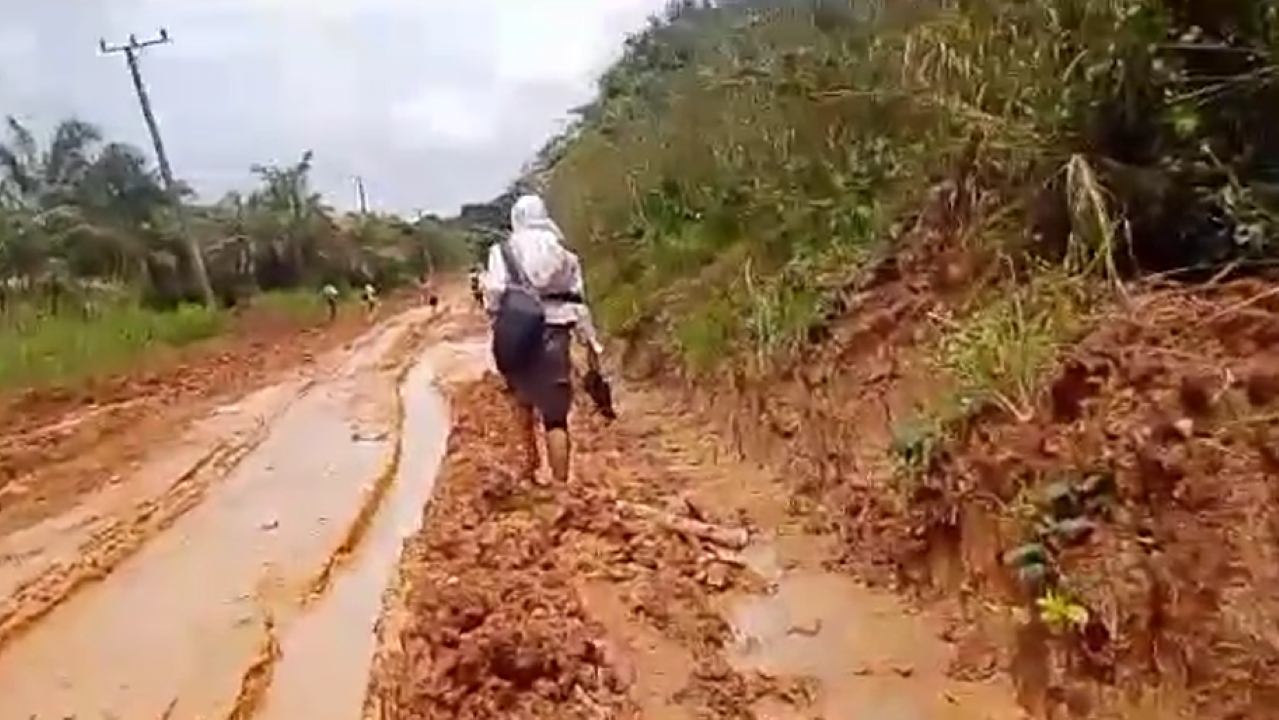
[(526, 422), (558, 452)]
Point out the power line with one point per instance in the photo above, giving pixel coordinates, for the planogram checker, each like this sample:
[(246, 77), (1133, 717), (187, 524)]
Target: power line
[(131, 50)]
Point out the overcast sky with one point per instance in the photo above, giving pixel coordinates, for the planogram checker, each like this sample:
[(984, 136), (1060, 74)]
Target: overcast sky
[(433, 102)]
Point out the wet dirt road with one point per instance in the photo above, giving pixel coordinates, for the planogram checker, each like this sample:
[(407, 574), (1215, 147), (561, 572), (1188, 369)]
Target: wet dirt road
[(241, 568), (242, 571)]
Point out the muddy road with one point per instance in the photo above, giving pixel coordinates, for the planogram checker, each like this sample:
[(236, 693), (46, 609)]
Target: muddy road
[(265, 530), (254, 563)]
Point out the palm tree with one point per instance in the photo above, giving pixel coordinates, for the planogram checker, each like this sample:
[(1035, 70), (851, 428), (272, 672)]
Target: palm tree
[(88, 206), (44, 179), (293, 221)]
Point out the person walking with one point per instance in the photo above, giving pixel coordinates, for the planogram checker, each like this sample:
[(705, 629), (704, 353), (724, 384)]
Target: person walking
[(477, 290), (535, 295), (330, 294), (369, 296)]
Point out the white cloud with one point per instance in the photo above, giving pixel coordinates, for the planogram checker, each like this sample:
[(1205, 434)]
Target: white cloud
[(376, 87), (447, 115)]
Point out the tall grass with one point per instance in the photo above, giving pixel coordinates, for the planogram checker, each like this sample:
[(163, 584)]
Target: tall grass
[(742, 163), (41, 349)]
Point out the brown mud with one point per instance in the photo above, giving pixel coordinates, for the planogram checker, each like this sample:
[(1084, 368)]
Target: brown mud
[(855, 593), (1170, 397), (59, 444), (523, 600), (232, 562)]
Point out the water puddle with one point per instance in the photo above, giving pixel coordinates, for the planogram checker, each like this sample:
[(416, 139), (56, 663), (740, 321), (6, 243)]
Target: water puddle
[(871, 655)]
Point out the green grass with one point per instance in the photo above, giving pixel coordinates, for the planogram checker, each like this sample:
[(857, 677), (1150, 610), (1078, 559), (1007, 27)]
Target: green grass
[(38, 350), (1001, 351), (759, 158), (43, 349), (302, 305)]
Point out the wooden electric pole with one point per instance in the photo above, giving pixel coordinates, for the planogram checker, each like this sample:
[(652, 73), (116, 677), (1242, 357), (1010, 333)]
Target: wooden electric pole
[(361, 197), (131, 50)]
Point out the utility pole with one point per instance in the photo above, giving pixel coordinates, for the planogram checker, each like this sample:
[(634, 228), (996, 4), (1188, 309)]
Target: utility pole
[(361, 198), (131, 50)]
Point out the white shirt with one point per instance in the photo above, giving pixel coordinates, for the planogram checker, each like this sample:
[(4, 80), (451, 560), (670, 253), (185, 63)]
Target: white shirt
[(551, 269)]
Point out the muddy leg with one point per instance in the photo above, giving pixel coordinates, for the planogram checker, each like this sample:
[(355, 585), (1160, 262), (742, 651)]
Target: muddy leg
[(558, 453), (525, 421), (557, 401)]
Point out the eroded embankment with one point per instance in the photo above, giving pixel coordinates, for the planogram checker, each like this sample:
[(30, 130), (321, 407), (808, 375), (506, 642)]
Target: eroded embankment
[(1153, 459), (525, 601), (1160, 425)]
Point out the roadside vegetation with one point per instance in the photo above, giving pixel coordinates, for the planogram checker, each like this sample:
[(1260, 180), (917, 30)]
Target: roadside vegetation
[(745, 162), (94, 272)]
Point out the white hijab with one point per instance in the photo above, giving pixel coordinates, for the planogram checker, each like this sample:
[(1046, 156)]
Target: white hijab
[(530, 213), (539, 244)]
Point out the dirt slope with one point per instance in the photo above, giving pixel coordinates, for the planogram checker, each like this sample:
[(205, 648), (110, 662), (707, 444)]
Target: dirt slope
[(1168, 399)]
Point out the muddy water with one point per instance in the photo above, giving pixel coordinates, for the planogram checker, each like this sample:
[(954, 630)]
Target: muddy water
[(869, 653), (175, 627), (28, 553), (326, 653)]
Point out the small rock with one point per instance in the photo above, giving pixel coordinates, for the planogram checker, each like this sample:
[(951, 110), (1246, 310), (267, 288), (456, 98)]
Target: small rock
[(904, 670), (809, 628), (15, 489), (1060, 500), (1075, 531), (1185, 427), (1028, 554), (1098, 485), (716, 576), (270, 524)]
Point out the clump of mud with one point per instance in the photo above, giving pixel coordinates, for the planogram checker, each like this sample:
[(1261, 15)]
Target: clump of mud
[(520, 600), (493, 626)]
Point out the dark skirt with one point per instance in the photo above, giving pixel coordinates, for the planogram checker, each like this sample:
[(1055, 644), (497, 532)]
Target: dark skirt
[(547, 383)]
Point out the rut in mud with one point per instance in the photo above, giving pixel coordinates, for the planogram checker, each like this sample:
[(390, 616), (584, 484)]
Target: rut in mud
[(201, 585), (252, 570)]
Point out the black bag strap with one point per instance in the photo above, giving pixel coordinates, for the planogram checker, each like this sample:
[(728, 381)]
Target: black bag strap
[(514, 269)]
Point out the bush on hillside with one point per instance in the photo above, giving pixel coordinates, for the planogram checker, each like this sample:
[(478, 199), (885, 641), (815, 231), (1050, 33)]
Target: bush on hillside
[(745, 159)]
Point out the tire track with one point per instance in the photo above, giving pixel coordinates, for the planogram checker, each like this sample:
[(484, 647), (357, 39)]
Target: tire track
[(110, 547), (255, 683)]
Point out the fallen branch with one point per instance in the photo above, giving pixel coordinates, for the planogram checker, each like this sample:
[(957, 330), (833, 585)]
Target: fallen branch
[(732, 538)]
